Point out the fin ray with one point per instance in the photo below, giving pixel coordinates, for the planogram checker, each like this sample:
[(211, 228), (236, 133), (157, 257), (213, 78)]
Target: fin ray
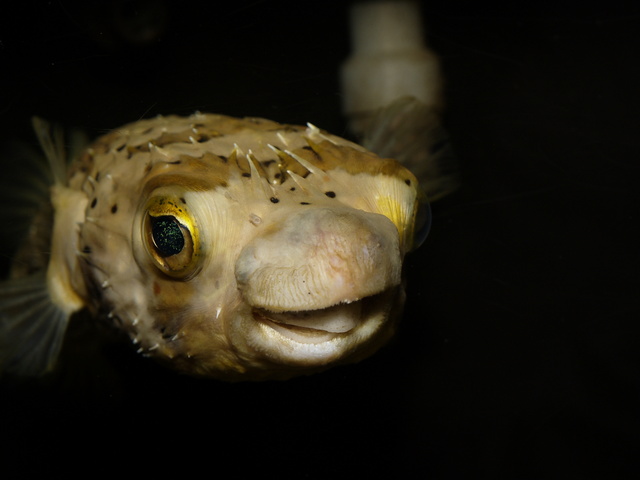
[(410, 131), (32, 328), (52, 144), (24, 192)]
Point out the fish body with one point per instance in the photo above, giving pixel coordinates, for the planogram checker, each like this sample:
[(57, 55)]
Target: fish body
[(228, 248)]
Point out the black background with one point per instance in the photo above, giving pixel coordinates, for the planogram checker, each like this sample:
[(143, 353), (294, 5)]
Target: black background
[(518, 353)]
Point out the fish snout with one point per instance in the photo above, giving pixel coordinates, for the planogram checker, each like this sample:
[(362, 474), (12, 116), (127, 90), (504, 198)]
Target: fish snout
[(318, 258)]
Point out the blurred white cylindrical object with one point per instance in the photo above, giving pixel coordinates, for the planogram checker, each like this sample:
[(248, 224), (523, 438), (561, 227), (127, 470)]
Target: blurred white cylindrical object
[(389, 59)]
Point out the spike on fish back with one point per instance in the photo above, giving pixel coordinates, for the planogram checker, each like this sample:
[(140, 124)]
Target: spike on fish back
[(259, 184)]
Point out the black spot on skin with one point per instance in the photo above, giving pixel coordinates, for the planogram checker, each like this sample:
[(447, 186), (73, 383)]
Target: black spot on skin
[(330, 194), (183, 200), (175, 162), (86, 249), (315, 154), (274, 200), (277, 175), (305, 203), (94, 202), (246, 174), (121, 147), (114, 208), (408, 182), (97, 176), (203, 138)]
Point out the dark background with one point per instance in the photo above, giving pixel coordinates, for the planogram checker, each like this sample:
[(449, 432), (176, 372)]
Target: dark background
[(518, 354)]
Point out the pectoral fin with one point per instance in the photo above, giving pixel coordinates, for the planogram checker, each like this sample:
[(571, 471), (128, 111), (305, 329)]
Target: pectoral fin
[(32, 327), (410, 132)]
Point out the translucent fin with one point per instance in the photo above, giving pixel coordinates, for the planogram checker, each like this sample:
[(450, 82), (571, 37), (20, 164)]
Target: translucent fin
[(28, 175), (410, 132), (32, 328), (52, 143), (24, 190)]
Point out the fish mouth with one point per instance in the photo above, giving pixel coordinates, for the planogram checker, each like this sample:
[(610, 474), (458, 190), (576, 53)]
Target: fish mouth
[(286, 343), (314, 326), (343, 332)]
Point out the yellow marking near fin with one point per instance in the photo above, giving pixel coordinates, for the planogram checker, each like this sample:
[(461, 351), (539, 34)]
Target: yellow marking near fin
[(69, 206)]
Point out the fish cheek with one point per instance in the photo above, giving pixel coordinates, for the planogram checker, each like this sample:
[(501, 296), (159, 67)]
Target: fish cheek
[(171, 297), (179, 316)]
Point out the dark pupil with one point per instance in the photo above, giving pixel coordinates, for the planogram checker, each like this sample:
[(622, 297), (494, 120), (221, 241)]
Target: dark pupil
[(167, 235)]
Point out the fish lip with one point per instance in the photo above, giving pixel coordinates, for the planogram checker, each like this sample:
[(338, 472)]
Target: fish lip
[(293, 348), (313, 335), (296, 333)]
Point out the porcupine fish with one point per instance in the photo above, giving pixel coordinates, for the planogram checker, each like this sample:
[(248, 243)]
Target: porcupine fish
[(228, 248)]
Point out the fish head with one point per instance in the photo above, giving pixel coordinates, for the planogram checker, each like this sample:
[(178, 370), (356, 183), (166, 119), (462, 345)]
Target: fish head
[(266, 251)]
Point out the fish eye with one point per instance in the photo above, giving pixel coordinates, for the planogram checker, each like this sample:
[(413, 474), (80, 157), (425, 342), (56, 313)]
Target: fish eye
[(167, 235), (171, 237), (422, 223)]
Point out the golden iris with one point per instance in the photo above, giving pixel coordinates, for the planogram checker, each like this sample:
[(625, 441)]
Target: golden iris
[(171, 236)]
